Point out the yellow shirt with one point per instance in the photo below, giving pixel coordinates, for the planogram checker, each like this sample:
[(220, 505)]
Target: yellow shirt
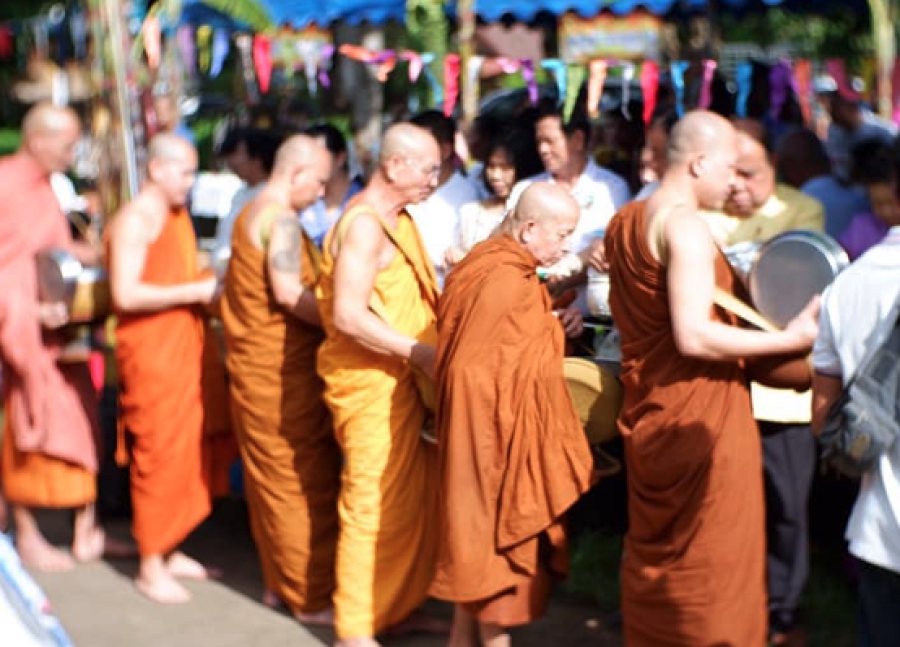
[(786, 210)]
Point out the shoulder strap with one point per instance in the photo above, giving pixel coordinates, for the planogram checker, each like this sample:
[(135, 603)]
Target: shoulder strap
[(266, 217), (735, 306)]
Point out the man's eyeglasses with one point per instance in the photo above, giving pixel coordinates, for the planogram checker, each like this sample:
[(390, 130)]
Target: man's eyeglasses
[(428, 171)]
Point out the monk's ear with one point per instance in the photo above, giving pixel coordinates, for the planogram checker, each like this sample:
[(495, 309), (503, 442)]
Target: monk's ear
[(698, 165)]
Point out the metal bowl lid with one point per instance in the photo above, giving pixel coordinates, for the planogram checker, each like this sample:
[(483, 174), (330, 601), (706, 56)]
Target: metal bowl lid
[(57, 272), (791, 269)]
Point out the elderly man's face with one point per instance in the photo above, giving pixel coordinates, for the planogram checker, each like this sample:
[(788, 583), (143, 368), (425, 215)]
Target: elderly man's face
[(756, 178)]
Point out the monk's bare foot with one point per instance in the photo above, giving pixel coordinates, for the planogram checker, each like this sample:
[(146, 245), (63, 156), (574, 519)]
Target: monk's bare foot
[(324, 618), (357, 642), (36, 552), (98, 544), (181, 566), (162, 588), (419, 623)]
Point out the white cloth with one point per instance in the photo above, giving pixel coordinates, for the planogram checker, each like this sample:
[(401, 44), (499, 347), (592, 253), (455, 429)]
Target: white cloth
[(475, 225), (225, 226), (65, 192), (213, 193), (857, 314), (437, 218), (600, 193)]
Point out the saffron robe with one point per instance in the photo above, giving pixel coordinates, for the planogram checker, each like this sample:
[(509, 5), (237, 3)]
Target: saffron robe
[(160, 359), (693, 569), (513, 456), (387, 506), (52, 460), (292, 463)]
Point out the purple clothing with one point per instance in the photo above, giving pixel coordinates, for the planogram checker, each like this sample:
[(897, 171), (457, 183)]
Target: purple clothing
[(864, 231)]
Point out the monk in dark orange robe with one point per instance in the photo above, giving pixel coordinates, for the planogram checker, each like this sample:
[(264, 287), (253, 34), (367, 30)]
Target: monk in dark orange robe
[(292, 463), (157, 294), (374, 259), (50, 424), (693, 568), (513, 456)]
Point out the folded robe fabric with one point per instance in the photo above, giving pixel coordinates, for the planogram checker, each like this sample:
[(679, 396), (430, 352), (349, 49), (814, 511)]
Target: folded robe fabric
[(513, 454), (51, 423)]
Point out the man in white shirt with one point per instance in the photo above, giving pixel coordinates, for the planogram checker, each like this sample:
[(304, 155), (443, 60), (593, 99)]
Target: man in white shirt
[(438, 215), (564, 150), (858, 311)]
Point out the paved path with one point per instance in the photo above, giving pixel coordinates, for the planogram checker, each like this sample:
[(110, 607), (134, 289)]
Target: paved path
[(99, 607)]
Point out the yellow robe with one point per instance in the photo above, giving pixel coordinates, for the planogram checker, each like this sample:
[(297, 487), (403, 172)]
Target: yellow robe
[(387, 548)]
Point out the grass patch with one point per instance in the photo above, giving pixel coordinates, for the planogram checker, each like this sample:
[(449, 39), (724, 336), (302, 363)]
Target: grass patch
[(829, 607), (594, 569), (9, 140)]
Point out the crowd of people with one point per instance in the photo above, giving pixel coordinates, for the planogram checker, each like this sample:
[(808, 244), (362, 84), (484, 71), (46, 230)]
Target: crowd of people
[(390, 368)]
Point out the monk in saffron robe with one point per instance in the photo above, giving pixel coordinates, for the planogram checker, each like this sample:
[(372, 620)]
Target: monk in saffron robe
[(51, 427), (388, 525), (513, 456), (693, 568), (292, 463), (157, 294)]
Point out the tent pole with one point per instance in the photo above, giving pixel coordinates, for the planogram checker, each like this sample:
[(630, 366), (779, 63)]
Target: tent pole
[(883, 14), (465, 11)]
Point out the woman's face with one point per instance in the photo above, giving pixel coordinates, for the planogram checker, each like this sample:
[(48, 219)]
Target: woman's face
[(885, 205), (500, 173)]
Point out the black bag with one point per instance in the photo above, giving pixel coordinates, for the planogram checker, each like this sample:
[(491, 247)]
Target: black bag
[(864, 422)]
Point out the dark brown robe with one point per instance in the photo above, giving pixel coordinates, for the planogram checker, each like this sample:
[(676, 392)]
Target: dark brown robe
[(693, 569), (513, 455)]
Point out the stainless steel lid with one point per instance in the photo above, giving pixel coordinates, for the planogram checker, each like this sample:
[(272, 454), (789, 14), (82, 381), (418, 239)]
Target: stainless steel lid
[(790, 269), (58, 273)]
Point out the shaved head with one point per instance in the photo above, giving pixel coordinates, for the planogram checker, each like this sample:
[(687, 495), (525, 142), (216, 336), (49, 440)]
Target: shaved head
[(169, 147), (49, 136), (302, 168), (295, 151), (543, 221), (698, 133), (543, 201), (405, 139), (46, 118)]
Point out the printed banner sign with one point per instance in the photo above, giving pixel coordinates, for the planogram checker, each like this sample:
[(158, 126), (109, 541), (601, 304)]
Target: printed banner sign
[(635, 37)]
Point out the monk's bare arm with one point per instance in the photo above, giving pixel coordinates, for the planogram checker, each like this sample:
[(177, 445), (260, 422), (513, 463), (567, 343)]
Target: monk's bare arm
[(283, 262), (129, 243), (825, 390), (691, 283), (354, 278)]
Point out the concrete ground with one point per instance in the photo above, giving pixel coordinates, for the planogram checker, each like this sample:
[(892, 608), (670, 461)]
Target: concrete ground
[(99, 607)]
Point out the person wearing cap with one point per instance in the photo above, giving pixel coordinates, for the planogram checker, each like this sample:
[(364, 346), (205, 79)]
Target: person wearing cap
[(851, 124), (512, 454)]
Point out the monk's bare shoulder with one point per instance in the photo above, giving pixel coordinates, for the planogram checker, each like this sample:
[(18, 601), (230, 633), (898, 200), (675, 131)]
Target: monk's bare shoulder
[(136, 223), (364, 235)]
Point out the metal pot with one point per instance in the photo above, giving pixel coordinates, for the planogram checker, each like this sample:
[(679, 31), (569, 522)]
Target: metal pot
[(84, 290), (785, 272)]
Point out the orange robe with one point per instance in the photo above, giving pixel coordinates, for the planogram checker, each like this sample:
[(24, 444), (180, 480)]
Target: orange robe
[(388, 539), (53, 462), (513, 456), (160, 357), (693, 569), (292, 463)]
